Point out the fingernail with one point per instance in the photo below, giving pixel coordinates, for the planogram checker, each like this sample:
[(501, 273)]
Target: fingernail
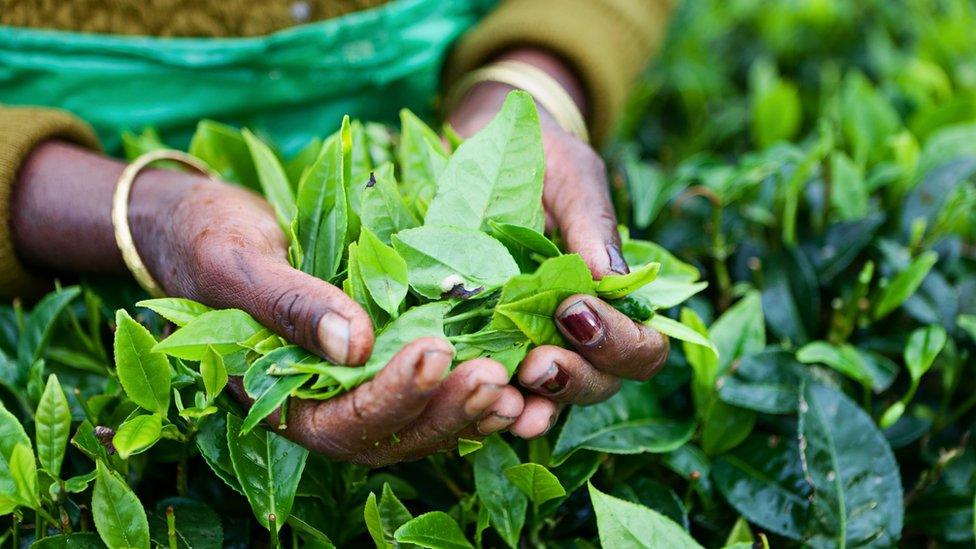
[(494, 423), (551, 382), (431, 369), (481, 398), (582, 323), (617, 262), (334, 337)]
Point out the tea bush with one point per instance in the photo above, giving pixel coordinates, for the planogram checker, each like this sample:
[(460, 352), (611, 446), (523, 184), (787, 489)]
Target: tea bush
[(800, 180)]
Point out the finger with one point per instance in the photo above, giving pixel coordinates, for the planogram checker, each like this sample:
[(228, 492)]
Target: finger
[(578, 198), (345, 426), (565, 377), (498, 417), (538, 416), (609, 340), (303, 309), (470, 390)]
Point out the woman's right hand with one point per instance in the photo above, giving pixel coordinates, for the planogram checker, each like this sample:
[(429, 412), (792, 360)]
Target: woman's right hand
[(221, 245)]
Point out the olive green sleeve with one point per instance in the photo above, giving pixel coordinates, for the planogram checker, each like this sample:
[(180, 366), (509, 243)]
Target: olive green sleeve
[(22, 129), (608, 42)]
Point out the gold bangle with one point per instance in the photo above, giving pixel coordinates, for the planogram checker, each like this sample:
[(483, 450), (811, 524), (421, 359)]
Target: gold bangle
[(542, 87), (120, 212)]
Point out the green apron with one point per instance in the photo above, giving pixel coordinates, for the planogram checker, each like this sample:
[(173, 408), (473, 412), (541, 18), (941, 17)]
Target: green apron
[(292, 85)]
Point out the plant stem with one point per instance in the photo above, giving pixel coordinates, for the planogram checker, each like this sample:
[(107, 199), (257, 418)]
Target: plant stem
[(171, 526), (40, 525), (957, 412), (467, 315), (273, 528)]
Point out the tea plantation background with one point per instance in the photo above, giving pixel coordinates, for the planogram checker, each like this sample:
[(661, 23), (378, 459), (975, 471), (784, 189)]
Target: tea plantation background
[(812, 161)]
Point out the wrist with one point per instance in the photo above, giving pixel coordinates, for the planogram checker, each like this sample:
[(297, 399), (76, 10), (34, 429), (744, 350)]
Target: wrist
[(482, 100)]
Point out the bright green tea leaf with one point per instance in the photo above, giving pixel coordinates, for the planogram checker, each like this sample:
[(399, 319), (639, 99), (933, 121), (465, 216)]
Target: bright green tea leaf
[(505, 502), (137, 434), (177, 310), (268, 467), (321, 222), (625, 524), (119, 516), (52, 426), (436, 530), (536, 482), (924, 344), (274, 182), (384, 272), (904, 284), (441, 258), (496, 174), (224, 330), (616, 286), (143, 372), (213, 372)]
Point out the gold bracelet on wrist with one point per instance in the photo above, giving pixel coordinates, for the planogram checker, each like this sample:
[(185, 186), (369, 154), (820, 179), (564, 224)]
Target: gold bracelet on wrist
[(120, 212), (547, 92)]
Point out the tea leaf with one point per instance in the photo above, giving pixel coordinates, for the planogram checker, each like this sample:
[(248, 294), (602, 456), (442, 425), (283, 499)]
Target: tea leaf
[(505, 502), (536, 482), (119, 517), (223, 330), (496, 174), (526, 245), (384, 272), (924, 344), (38, 326), (321, 221), (383, 209), (268, 468), (213, 372), (224, 149), (270, 391), (384, 518), (763, 481), (177, 310), (77, 540), (904, 284), (627, 423), (137, 434), (420, 152), (858, 493), (677, 330), (870, 370), (439, 258), (616, 286), (211, 440), (624, 524), (52, 426), (274, 182), (23, 470), (143, 372), (436, 530), (197, 525)]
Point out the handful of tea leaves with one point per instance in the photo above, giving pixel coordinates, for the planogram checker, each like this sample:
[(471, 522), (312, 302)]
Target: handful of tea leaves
[(428, 243)]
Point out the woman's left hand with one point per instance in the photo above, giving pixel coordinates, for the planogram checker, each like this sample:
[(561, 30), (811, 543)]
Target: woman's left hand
[(608, 345)]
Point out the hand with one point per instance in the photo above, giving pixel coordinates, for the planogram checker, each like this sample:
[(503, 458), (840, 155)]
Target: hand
[(409, 410), (221, 245), (609, 346)]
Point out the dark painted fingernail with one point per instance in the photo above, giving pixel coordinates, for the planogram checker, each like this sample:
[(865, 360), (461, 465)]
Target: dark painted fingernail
[(617, 262), (553, 381), (582, 323)]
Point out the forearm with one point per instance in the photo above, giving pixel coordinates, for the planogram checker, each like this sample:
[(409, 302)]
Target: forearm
[(62, 203)]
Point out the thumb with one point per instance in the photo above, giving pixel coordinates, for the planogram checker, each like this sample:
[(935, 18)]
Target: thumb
[(299, 307), (577, 197)]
